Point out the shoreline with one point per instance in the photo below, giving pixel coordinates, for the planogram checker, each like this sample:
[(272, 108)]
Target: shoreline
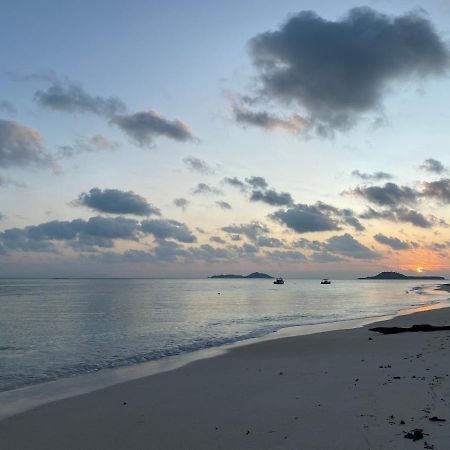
[(26, 398), (349, 389)]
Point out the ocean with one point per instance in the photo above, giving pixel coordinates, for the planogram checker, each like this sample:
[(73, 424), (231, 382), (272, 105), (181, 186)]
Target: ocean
[(56, 328)]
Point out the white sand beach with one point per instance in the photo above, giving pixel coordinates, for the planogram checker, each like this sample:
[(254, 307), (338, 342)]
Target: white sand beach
[(350, 389)]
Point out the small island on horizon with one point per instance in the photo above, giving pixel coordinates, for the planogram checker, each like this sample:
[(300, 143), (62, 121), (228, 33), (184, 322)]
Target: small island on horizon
[(252, 275), (400, 276)]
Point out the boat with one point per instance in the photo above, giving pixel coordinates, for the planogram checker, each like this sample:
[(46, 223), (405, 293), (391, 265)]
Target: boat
[(279, 281), (325, 281)]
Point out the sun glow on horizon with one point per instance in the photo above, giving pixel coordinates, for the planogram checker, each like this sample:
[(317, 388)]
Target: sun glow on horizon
[(419, 269)]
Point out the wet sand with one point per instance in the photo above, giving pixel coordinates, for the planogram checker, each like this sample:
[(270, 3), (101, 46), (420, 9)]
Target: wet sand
[(351, 389)]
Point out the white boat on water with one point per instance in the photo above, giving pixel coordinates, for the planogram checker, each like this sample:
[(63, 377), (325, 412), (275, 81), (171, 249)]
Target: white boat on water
[(279, 281)]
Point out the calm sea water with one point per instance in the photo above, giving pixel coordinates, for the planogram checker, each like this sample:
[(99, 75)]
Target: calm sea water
[(57, 328)]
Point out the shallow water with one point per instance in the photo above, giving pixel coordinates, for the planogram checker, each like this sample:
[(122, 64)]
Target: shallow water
[(51, 329)]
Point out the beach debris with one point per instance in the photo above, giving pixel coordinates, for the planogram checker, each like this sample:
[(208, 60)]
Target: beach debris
[(124, 403), (281, 373), (402, 422), (248, 432), (415, 434), (428, 446), (412, 329), (436, 419)]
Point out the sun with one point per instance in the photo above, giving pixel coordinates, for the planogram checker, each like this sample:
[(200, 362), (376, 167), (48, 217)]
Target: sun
[(419, 269)]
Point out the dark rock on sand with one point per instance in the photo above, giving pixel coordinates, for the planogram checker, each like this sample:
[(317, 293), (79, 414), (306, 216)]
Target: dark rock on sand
[(415, 434), (413, 329), (436, 419)]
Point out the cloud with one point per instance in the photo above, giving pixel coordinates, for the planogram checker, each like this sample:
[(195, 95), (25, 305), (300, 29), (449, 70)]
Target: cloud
[(305, 219), (79, 233), (96, 143), (390, 195), (438, 190), (21, 146), (165, 229), (347, 245), (257, 182), (376, 176), (114, 201), (223, 205), (345, 216), (265, 241), (252, 230), (316, 218), (263, 119), (433, 166), (337, 71), (272, 197), (181, 203), (143, 127), (400, 214), (198, 165), (325, 257), (289, 255), (393, 242), (235, 182), (7, 107), (203, 188), (72, 98), (217, 239)]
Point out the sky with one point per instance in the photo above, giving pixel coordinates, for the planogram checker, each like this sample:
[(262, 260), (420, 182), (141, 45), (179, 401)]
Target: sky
[(185, 139)]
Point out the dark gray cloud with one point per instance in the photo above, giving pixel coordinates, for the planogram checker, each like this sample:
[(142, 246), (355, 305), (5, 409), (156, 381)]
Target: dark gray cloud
[(181, 203), (21, 146), (96, 143), (316, 218), (288, 255), (433, 166), (393, 242), (168, 229), (203, 188), (257, 182), (305, 219), (252, 230), (114, 201), (347, 245), (345, 216), (235, 182), (198, 165), (438, 190), (7, 107), (400, 214), (376, 176), (72, 98), (262, 193), (307, 244), (272, 197), (223, 205), (266, 241), (217, 239), (339, 70), (325, 257), (263, 119), (79, 233), (143, 127), (414, 217), (389, 195)]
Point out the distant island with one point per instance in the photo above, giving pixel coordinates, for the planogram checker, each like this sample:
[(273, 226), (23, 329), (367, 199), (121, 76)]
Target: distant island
[(252, 275), (400, 276)]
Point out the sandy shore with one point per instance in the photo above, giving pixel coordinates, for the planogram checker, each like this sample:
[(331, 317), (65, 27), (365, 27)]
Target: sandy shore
[(352, 389)]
